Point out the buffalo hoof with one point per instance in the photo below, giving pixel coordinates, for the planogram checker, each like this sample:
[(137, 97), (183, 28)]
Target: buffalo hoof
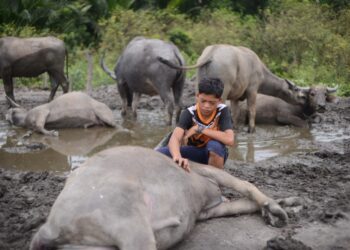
[(293, 205), (53, 133), (251, 130), (274, 215)]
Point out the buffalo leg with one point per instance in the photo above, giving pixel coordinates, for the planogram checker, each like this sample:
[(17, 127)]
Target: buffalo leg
[(247, 189), (251, 104), (63, 81), (140, 241), (125, 96), (57, 78), (103, 113), (241, 206), (294, 120), (40, 121), (169, 103), (235, 110), (135, 104), (134, 232), (54, 86), (177, 92), (8, 85)]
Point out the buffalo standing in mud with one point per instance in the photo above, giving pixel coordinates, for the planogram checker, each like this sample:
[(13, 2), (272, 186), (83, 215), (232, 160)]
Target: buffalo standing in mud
[(138, 71), (134, 198), (243, 75), (71, 110), (30, 57), (272, 110)]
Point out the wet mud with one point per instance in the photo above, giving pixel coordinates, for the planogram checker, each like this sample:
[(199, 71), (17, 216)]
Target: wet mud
[(319, 177)]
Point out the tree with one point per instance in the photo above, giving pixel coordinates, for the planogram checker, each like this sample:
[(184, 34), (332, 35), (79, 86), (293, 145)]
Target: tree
[(76, 20)]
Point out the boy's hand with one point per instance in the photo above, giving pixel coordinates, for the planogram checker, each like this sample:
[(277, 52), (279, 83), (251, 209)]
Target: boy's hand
[(182, 162)]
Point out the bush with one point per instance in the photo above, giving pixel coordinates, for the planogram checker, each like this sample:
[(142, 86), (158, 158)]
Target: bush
[(304, 41)]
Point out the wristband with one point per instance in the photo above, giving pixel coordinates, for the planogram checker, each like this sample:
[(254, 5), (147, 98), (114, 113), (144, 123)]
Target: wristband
[(200, 128)]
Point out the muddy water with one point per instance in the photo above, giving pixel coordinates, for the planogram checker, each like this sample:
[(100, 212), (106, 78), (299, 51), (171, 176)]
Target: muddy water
[(73, 146)]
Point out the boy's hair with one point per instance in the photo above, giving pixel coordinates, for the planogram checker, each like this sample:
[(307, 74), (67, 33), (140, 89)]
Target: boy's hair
[(211, 86)]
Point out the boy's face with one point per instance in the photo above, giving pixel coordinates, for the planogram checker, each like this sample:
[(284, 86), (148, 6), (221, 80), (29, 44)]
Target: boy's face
[(207, 103)]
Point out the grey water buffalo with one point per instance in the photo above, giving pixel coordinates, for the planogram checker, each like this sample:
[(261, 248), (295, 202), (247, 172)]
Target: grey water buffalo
[(134, 198), (71, 110), (272, 110), (243, 75), (30, 57), (138, 71)]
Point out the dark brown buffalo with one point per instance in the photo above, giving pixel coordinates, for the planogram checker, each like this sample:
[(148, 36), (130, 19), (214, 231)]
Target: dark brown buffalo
[(139, 71), (243, 75), (272, 110), (30, 57)]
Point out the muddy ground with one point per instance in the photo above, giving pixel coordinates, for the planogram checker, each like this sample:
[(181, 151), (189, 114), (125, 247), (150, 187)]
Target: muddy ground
[(321, 178)]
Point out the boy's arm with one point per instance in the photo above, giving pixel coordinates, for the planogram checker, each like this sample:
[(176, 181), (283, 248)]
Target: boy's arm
[(226, 137), (174, 148), (226, 134)]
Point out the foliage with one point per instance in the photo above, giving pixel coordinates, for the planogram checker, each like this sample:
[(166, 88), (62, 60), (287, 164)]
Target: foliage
[(305, 41), (193, 8), (77, 20)]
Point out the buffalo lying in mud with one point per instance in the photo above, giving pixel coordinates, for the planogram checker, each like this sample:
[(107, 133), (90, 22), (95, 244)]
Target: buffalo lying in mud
[(30, 57), (71, 110), (138, 71), (243, 75), (134, 198), (272, 110)]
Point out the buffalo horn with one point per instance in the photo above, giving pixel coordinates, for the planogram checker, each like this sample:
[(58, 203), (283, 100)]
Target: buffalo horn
[(13, 104), (304, 89), (292, 85), (332, 90)]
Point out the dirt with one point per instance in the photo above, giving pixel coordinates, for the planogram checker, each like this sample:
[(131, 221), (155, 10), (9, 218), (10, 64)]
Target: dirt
[(320, 178)]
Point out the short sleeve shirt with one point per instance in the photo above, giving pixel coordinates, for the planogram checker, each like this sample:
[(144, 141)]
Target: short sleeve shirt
[(221, 121)]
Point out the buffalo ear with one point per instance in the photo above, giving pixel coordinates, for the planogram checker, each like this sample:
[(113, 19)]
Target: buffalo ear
[(305, 90), (332, 99), (291, 85), (13, 104)]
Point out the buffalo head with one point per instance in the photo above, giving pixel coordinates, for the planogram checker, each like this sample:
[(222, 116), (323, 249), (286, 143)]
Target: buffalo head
[(16, 114), (316, 97)]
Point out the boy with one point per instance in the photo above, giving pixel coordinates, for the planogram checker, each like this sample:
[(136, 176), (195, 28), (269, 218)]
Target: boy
[(204, 129)]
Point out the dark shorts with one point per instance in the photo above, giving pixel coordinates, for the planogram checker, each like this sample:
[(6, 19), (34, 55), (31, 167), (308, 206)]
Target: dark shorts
[(200, 155)]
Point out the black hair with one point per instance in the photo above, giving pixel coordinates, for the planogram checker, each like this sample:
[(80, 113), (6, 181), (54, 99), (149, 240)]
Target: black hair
[(211, 86)]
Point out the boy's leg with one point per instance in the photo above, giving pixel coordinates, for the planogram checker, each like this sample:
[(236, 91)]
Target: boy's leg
[(216, 160), (192, 153), (164, 150), (217, 154)]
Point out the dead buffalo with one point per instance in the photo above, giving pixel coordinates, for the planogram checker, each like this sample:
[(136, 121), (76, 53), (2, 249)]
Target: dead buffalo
[(272, 110), (135, 198), (244, 75), (71, 110), (30, 57), (138, 71)]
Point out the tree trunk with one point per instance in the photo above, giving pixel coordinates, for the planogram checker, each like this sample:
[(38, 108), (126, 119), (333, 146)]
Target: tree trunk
[(90, 61)]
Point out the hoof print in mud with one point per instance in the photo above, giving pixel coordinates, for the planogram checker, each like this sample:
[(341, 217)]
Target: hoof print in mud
[(285, 243), (332, 216)]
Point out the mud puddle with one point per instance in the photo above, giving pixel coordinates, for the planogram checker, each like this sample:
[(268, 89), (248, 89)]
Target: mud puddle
[(310, 164), (73, 146)]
